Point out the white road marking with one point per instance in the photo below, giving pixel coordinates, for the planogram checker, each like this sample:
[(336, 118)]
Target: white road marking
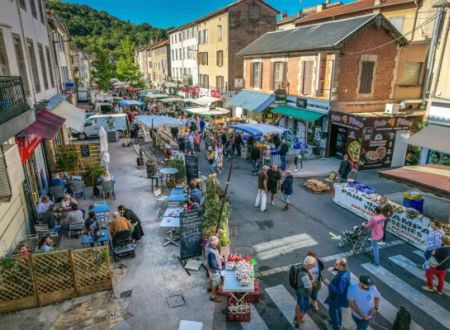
[(256, 321), (411, 267), (415, 297), (286, 304), (283, 245)]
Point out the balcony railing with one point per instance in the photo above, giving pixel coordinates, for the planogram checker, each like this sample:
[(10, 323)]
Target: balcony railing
[(13, 101)]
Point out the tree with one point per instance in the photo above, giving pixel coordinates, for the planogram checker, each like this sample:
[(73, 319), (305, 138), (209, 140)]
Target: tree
[(103, 68), (126, 69)]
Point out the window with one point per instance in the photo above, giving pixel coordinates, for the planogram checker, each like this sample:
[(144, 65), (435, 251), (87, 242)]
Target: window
[(397, 22), (219, 58), (200, 37), (33, 8), (411, 74), (43, 68), (256, 74), (219, 32), (22, 4), (220, 82), (4, 64), (205, 36), (366, 77), (203, 58), (52, 78), (307, 75), (34, 70), (41, 11), (204, 81), (279, 74), (21, 63), (5, 186)]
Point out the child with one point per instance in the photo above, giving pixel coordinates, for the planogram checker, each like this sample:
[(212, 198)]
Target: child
[(211, 157), (219, 162)]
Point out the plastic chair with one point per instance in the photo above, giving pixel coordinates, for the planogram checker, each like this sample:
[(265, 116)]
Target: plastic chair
[(108, 188), (75, 228), (160, 199), (78, 189)]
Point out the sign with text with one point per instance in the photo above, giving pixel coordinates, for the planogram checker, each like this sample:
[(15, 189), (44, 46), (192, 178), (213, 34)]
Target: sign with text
[(412, 230), (191, 236), (191, 164), (280, 96)]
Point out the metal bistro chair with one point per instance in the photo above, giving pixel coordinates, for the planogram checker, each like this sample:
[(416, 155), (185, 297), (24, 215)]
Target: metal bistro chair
[(75, 228), (107, 188), (57, 192), (160, 199), (78, 189)]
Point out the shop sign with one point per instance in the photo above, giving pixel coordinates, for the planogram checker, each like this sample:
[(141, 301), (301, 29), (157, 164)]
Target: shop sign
[(26, 145), (347, 120), (413, 231), (301, 102), (70, 85), (438, 158), (439, 113), (238, 83), (280, 96)]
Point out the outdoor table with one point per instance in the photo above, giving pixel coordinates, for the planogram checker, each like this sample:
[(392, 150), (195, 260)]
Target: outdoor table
[(172, 223), (231, 285), (177, 195), (86, 239), (168, 172), (173, 212)]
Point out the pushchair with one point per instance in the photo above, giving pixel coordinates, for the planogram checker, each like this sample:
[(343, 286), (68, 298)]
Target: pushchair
[(356, 238), (256, 167), (122, 245)]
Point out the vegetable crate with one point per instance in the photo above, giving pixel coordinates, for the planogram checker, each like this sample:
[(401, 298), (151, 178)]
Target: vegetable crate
[(253, 297), (239, 312)]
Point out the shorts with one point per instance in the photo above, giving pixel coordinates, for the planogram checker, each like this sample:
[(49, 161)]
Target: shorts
[(215, 279), (303, 302), (272, 189)]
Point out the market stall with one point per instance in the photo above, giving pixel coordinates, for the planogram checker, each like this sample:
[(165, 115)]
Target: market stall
[(160, 126), (406, 223)]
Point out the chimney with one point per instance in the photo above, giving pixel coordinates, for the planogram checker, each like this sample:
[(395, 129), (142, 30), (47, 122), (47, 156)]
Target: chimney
[(284, 14)]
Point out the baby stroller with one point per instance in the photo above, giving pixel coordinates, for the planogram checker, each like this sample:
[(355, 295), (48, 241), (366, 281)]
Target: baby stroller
[(356, 238), (256, 167)]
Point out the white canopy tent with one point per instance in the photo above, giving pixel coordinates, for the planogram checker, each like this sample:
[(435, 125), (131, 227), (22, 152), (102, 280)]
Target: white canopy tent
[(155, 121), (204, 100), (172, 99)]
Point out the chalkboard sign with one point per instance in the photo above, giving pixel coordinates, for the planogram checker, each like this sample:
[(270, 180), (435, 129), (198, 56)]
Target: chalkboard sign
[(191, 163), (191, 236), (84, 150)]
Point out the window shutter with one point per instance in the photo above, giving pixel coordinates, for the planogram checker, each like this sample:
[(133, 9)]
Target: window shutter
[(252, 83), (285, 68), (307, 77), (5, 187), (261, 75), (271, 75), (365, 84)]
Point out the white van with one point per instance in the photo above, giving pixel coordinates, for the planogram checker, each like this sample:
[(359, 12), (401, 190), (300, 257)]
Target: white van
[(111, 123)]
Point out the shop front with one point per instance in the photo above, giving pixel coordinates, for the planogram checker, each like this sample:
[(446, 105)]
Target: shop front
[(370, 138), (251, 106)]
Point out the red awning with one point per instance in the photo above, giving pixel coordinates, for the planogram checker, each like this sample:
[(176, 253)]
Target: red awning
[(46, 125)]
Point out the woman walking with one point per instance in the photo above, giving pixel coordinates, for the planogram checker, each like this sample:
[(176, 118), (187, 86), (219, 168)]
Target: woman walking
[(434, 241), (286, 189)]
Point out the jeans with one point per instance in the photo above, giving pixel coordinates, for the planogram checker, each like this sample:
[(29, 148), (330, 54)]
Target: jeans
[(283, 163), (360, 323), (261, 199), (385, 229), (375, 251), (440, 274), (427, 255), (335, 314)]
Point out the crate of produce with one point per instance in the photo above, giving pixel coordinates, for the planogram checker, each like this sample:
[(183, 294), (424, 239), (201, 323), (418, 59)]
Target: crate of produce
[(253, 297), (239, 312)]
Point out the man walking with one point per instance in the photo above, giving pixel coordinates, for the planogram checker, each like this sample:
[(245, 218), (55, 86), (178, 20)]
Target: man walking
[(337, 292), (214, 266), (284, 149), (376, 225), (364, 299), (261, 197), (273, 182), (304, 290)]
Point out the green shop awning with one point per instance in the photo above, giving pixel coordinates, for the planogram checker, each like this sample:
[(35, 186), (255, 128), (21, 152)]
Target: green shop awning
[(298, 113)]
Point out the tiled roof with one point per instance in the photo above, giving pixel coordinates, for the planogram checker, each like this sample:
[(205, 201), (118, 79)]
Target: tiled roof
[(319, 36), (160, 43)]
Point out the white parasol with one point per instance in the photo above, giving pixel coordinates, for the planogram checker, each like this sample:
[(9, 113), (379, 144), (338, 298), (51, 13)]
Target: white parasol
[(104, 154)]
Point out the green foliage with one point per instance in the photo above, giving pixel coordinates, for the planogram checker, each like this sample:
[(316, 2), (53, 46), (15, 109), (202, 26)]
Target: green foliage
[(103, 68), (126, 69), (213, 203), (179, 165), (94, 172), (67, 159)]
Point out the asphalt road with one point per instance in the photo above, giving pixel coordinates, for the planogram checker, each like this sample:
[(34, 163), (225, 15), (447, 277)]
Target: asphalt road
[(279, 238)]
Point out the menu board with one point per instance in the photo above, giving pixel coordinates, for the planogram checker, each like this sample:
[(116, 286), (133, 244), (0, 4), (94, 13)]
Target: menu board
[(191, 163), (84, 150), (377, 148), (191, 236)]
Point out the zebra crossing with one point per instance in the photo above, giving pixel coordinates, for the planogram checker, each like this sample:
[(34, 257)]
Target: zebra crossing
[(437, 311)]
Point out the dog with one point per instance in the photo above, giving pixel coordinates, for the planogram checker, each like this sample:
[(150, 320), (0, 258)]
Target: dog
[(402, 320)]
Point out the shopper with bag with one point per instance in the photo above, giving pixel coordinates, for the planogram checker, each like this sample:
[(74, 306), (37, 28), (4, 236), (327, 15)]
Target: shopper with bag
[(439, 262), (434, 241)]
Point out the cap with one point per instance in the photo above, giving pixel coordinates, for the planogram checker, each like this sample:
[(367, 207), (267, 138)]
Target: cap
[(366, 280)]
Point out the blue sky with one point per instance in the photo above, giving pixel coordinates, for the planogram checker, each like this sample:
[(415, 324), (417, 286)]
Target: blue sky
[(170, 13)]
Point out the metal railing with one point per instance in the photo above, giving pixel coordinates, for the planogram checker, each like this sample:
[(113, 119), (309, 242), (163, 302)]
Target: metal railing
[(13, 101)]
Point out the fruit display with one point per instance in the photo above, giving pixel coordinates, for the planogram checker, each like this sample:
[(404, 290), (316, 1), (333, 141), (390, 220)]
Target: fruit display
[(244, 272), (238, 311)]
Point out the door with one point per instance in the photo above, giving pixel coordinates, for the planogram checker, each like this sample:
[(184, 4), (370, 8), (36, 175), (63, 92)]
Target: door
[(341, 140), (400, 148)]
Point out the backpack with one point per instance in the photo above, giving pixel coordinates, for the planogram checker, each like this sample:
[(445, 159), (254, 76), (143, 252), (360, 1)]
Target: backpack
[(293, 275)]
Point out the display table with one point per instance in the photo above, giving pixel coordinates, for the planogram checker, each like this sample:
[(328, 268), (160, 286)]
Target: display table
[(238, 308), (413, 229)]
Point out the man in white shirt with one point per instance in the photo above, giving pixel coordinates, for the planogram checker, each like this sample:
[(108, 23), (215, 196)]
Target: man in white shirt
[(44, 205)]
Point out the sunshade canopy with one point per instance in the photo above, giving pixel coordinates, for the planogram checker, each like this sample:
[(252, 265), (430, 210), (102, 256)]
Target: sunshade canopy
[(259, 129), (298, 113), (127, 103), (434, 137), (75, 117), (204, 100), (172, 99), (46, 125), (158, 121), (253, 101)]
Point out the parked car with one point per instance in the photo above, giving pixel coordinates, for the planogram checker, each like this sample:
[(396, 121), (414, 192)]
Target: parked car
[(111, 123)]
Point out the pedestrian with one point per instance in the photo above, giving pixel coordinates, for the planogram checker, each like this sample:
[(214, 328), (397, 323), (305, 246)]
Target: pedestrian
[(128, 214), (344, 168), (337, 292), (273, 182), (219, 162), (237, 144), (181, 143), (267, 156), (439, 263), (386, 210), (214, 266), (376, 225), (304, 290), (284, 149), (433, 242), (261, 197), (316, 272), (287, 188), (363, 299), (197, 139), (210, 156)]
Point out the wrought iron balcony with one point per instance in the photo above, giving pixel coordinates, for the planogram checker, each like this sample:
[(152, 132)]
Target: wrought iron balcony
[(15, 114)]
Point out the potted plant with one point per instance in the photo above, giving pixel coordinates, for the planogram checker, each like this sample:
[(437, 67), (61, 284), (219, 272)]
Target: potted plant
[(126, 139), (179, 165), (113, 136), (93, 173), (67, 159)]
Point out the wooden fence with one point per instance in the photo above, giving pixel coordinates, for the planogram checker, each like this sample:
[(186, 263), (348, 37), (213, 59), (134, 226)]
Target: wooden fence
[(45, 278)]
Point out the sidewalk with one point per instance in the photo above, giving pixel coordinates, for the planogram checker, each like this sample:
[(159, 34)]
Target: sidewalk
[(314, 167), (145, 288)]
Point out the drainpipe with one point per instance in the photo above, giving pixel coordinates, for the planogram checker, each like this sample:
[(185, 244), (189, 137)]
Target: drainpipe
[(433, 44), (441, 57), (417, 3)]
